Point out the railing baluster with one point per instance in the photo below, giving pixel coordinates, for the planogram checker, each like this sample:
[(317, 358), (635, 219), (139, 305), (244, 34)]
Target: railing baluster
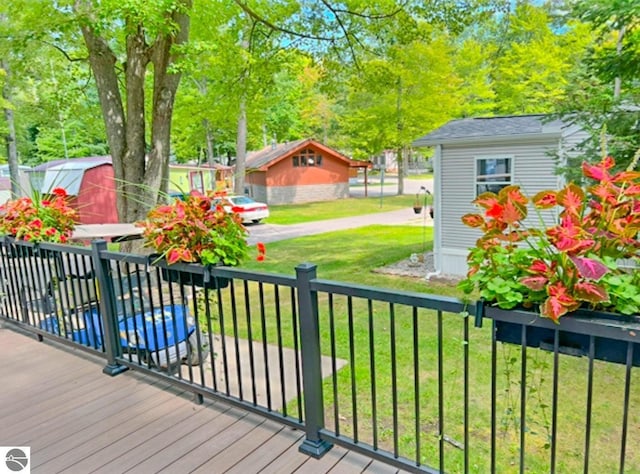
[(394, 377), (416, 383), (440, 390), (494, 393), (523, 396), (352, 368), (212, 348), (465, 352), (625, 406), (265, 348), (334, 366), (236, 342), (252, 366), (587, 439), (296, 350), (372, 372), (223, 340), (283, 380), (554, 402)]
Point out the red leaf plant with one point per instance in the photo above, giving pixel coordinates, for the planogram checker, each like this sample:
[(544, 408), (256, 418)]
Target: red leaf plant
[(587, 259), (41, 218), (194, 230)]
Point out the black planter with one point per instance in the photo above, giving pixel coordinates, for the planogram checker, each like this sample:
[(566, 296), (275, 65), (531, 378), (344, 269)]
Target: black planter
[(183, 273), (611, 333), (417, 209)]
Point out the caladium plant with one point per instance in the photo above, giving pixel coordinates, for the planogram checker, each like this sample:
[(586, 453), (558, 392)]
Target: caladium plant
[(588, 258)]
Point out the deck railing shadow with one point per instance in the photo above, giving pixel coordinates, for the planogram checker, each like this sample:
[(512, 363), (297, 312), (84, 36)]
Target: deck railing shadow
[(416, 380)]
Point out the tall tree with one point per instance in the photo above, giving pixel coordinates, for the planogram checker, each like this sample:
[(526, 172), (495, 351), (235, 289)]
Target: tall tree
[(605, 92), (534, 59), (153, 35)]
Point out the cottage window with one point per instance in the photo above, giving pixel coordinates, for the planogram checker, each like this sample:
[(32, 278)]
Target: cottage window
[(493, 174), (307, 157)]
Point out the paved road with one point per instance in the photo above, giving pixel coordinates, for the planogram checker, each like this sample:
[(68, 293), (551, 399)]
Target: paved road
[(273, 232)]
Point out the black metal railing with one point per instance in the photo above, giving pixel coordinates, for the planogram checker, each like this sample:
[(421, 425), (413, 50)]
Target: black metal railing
[(422, 382)]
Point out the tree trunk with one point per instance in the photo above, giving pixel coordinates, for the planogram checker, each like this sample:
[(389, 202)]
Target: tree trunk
[(10, 137), (103, 62), (210, 152), (133, 163), (138, 177), (400, 160), (241, 149), (210, 142)]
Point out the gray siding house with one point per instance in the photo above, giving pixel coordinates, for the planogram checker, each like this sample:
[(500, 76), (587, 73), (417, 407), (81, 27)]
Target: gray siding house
[(475, 155)]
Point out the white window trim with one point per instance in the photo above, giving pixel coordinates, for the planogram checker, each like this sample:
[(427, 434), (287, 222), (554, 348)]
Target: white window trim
[(492, 157)]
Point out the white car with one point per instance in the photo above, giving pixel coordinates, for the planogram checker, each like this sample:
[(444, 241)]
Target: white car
[(248, 209)]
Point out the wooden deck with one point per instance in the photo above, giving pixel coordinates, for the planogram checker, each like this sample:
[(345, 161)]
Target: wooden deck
[(75, 419)]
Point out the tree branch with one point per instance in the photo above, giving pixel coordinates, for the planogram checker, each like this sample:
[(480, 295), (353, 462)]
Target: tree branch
[(382, 16), (275, 27)]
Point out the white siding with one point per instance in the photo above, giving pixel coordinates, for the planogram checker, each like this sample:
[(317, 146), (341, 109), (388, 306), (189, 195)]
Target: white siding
[(533, 170)]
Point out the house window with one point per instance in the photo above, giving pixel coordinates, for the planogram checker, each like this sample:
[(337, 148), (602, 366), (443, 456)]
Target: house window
[(492, 174), (307, 157)]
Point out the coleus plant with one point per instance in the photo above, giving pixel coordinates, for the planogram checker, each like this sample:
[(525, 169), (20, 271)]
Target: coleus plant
[(192, 230), (40, 218), (587, 258)]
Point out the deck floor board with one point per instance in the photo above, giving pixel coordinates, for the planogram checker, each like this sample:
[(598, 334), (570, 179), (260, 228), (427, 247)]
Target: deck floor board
[(75, 419)]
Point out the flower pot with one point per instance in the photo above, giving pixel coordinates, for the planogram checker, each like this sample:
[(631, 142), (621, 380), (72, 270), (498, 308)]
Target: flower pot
[(180, 273), (417, 209), (611, 333)]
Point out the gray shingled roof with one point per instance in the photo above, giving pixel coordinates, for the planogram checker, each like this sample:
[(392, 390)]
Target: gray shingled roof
[(486, 127), (260, 158)]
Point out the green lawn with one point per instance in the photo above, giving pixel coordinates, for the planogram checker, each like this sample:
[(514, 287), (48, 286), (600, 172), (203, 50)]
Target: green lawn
[(317, 211), (361, 251), (420, 177)]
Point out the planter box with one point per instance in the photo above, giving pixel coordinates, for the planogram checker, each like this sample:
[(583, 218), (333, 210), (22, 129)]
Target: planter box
[(179, 273), (611, 333)]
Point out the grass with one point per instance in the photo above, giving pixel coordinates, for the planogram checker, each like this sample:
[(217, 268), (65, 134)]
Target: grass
[(420, 177), (317, 211), (351, 256), (360, 252)]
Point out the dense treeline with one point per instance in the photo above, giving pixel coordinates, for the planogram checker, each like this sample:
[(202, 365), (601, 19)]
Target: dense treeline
[(210, 79)]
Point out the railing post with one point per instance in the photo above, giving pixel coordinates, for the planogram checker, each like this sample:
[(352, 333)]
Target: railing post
[(106, 298), (311, 364)]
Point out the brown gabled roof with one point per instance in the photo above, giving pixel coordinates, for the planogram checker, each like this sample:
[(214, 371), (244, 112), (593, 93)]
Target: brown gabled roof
[(270, 155)]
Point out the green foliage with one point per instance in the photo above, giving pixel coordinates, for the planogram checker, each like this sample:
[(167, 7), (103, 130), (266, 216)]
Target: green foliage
[(42, 218), (567, 265), (315, 211), (604, 92), (191, 230), (534, 60)]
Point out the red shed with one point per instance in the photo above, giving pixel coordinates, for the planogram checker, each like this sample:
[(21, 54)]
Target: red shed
[(91, 183), (300, 171)]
